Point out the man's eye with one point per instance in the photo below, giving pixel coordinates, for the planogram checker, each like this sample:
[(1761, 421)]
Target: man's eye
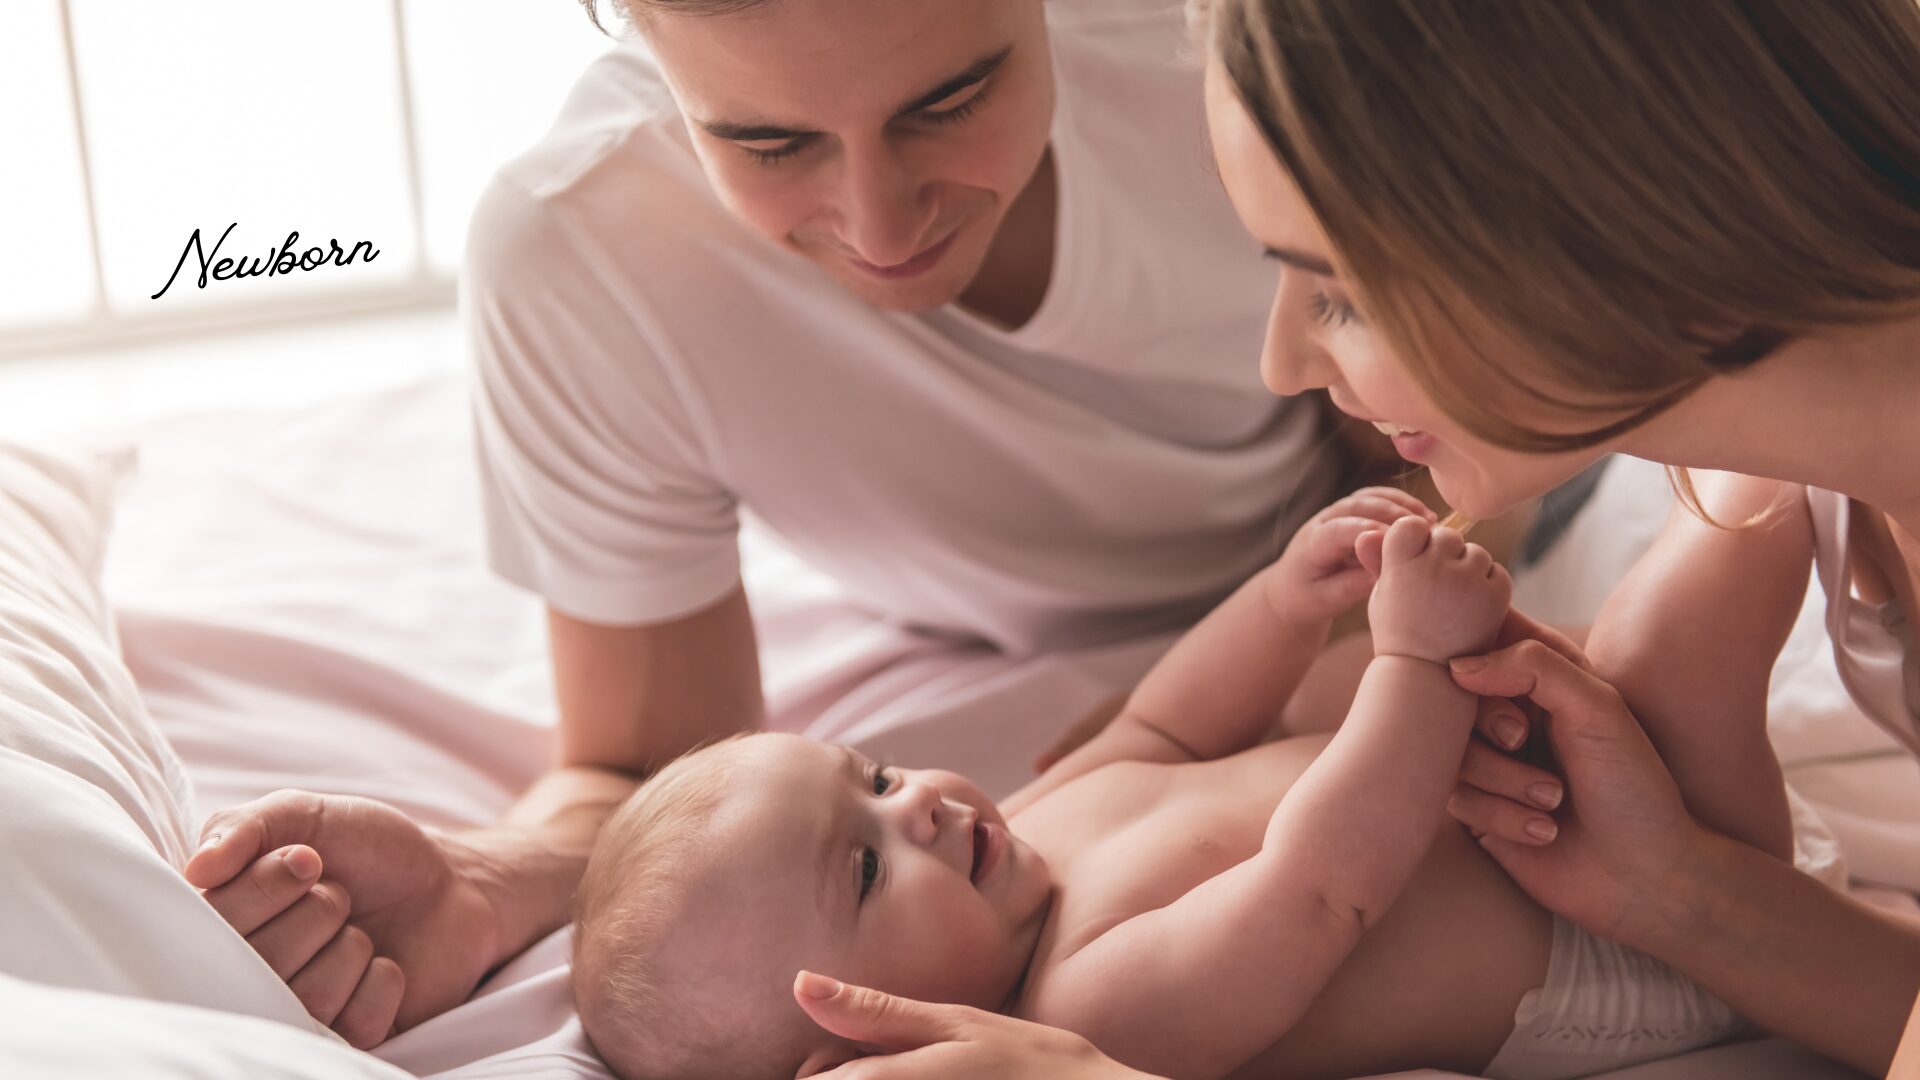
[(881, 784), (869, 870)]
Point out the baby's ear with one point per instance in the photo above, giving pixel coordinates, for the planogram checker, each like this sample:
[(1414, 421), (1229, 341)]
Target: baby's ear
[(830, 1054)]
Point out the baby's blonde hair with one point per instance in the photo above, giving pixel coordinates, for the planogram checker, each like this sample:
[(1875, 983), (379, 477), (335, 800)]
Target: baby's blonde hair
[(632, 898)]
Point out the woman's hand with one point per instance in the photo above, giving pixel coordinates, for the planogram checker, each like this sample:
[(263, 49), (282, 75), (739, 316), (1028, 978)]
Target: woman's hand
[(1621, 826), (320, 884), (914, 1039)]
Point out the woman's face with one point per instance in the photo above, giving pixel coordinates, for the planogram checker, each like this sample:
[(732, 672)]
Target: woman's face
[(882, 139), (1316, 339)]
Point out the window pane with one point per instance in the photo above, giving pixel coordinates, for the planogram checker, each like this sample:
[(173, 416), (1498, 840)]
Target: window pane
[(47, 273), (488, 78), (271, 117)]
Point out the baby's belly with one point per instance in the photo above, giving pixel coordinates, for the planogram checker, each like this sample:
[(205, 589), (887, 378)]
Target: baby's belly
[(1434, 984)]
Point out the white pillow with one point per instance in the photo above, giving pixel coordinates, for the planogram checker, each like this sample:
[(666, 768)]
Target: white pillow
[(94, 805), (75, 1033)]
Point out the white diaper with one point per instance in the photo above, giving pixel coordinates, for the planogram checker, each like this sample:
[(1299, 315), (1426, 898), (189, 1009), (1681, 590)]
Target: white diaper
[(1605, 1006)]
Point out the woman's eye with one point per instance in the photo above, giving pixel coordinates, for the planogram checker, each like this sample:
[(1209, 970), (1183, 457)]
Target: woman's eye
[(773, 155), (869, 870), (1328, 311), (881, 784)]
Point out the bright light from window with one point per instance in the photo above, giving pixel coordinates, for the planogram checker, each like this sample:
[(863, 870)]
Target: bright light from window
[(279, 117), (46, 273), (488, 78)]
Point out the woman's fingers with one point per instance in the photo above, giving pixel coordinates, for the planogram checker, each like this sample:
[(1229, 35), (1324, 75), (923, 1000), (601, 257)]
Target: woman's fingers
[(875, 1019), (297, 935), (1497, 774), (329, 979), (1502, 723), (366, 1020), (1491, 815), (1537, 671), (263, 890)]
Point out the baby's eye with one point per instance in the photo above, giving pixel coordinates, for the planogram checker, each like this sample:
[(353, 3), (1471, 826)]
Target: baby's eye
[(881, 785), (869, 870)]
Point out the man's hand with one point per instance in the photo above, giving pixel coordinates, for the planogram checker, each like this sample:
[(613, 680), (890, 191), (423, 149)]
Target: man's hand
[(1319, 576), (379, 884)]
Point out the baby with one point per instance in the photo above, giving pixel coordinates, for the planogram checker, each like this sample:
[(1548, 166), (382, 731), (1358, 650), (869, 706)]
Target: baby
[(1215, 907)]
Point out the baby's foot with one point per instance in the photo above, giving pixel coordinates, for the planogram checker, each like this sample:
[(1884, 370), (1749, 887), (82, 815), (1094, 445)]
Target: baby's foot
[(1439, 596)]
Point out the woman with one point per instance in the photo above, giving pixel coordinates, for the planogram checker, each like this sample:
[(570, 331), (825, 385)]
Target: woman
[(1519, 237)]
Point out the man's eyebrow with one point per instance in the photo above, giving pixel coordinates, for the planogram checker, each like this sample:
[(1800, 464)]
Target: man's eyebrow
[(762, 131), (1312, 264), (975, 72), (830, 844)]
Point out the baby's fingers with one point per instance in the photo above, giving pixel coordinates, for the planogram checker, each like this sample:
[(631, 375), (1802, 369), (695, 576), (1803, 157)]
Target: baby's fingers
[(1404, 501)]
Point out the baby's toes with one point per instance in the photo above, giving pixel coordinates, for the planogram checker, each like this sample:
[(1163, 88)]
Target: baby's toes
[(1406, 539), (1448, 543)]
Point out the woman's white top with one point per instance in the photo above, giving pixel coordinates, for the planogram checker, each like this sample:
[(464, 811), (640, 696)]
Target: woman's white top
[(1873, 644), (647, 368)]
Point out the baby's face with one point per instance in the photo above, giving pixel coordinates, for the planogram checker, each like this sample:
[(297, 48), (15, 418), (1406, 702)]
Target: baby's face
[(902, 879)]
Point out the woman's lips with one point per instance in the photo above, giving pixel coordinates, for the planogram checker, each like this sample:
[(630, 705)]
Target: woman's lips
[(1415, 446), (913, 267)]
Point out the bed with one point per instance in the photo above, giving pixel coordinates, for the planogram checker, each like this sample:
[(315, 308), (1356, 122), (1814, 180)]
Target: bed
[(301, 600)]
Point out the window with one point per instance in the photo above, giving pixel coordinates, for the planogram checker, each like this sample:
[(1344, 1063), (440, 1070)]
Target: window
[(354, 120)]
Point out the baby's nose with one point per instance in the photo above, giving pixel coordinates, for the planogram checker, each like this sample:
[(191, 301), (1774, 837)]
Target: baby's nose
[(925, 810)]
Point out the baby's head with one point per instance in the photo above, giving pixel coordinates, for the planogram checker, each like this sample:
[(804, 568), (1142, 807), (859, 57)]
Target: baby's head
[(742, 863)]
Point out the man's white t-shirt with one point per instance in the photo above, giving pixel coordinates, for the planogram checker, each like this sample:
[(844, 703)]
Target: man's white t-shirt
[(648, 368)]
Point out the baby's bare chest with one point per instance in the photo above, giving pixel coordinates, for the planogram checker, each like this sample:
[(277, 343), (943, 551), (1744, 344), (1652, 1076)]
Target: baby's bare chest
[(1134, 838)]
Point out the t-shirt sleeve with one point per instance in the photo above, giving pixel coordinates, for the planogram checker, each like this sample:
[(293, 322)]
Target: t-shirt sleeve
[(596, 489)]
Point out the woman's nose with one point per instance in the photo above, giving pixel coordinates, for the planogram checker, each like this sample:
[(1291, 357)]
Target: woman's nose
[(1291, 361)]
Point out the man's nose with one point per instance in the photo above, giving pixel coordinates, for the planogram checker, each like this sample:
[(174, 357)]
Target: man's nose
[(884, 217)]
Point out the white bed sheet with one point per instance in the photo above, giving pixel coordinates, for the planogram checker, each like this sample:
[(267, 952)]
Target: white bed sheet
[(303, 601)]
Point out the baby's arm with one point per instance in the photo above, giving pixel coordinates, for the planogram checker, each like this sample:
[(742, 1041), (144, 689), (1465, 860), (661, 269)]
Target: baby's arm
[(1690, 637), (1222, 685), (1199, 986)]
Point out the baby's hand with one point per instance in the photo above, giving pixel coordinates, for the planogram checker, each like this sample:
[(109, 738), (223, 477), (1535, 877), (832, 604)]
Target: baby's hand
[(1319, 576), (1439, 596)]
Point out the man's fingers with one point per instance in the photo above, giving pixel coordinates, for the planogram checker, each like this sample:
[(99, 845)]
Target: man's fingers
[(872, 1018), (367, 1020), (329, 979), (235, 838), (297, 934), (1503, 818), (1497, 774), (267, 888)]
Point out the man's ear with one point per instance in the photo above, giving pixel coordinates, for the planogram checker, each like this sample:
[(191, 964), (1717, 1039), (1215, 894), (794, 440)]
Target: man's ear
[(831, 1053)]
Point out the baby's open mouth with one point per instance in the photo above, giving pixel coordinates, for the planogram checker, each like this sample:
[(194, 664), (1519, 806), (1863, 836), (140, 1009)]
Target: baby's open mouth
[(979, 849)]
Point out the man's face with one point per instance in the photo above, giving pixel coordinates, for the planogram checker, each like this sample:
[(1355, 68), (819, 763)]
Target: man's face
[(884, 140)]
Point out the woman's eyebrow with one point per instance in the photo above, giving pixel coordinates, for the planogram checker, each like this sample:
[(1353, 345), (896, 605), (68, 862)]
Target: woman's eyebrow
[(1312, 264), (764, 131)]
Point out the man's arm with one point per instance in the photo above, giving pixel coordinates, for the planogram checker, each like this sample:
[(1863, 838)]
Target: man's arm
[(632, 698), (1266, 936), (448, 907), (1690, 637)]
